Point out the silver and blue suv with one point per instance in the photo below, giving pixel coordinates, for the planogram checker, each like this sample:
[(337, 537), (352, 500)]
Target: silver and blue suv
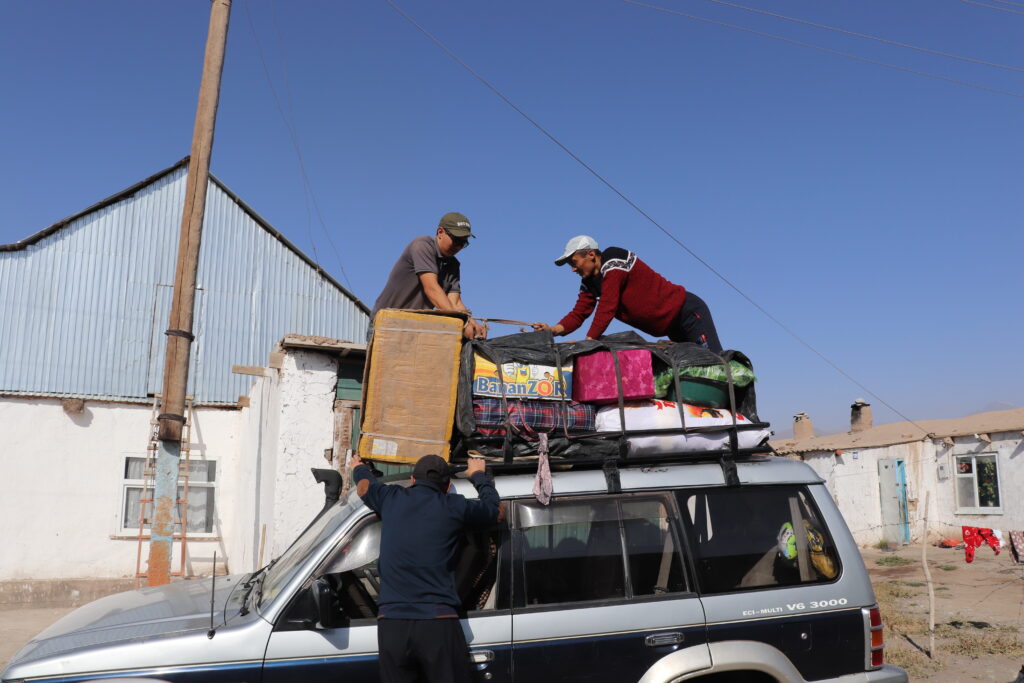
[(660, 573)]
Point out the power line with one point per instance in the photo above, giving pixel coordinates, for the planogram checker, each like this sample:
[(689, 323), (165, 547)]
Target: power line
[(298, 151), (1001, 9), (291, 112), (826, 49), (867, 37), (639, 210)]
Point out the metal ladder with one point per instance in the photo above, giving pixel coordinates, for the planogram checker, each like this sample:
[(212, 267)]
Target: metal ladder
[(146, 497)]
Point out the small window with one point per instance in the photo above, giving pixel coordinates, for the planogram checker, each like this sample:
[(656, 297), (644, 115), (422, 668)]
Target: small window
[(584, 550), (977, 484), (199, 510), (755, 537)]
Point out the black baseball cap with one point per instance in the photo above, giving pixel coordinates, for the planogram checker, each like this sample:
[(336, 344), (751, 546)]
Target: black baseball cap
[(432, 468)]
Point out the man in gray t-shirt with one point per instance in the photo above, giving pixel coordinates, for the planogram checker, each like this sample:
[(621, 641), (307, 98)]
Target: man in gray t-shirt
[(426, 275)]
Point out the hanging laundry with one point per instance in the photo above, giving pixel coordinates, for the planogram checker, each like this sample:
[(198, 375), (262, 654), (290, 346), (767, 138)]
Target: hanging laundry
[(975, 536), (542, 485)]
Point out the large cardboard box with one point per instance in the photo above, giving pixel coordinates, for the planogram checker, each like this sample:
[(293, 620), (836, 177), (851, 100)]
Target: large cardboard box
[(412, 373)]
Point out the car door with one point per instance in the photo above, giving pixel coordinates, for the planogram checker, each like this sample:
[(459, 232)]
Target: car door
[(300, 649), (600, 592), (768, 571)]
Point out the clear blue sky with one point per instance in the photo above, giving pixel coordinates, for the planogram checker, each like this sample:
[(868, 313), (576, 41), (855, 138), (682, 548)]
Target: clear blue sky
[(876, 212)]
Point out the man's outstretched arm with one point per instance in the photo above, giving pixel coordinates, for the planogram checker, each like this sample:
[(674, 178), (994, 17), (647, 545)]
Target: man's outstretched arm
[(487, 509), (367, 487)]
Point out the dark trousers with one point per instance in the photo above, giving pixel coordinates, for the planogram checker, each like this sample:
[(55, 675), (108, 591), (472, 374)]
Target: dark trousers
[(694, 324), (422, 651)]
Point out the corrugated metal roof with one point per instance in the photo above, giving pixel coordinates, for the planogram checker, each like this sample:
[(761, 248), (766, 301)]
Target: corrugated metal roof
[(86, 300), (904, 432)]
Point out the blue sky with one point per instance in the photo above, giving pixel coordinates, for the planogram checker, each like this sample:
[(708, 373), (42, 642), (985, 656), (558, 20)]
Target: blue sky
[(875, 212)]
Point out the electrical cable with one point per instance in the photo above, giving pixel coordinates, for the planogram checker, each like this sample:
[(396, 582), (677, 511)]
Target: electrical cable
[(298, 151), (867, 37), (826, 49), (1009, 2), (291, 114), (639, 210), (1001, 9)]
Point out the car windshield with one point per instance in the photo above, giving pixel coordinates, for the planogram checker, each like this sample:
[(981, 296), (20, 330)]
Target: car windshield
[(288, 563)]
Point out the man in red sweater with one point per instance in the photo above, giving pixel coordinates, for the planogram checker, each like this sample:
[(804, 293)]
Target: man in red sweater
[(620, 285)]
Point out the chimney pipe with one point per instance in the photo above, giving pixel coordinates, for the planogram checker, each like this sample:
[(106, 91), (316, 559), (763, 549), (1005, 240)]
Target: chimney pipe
[(803, 428), (860, 416)]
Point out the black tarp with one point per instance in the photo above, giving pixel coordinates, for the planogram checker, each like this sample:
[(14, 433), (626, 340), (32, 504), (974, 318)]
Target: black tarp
[(540, 348)]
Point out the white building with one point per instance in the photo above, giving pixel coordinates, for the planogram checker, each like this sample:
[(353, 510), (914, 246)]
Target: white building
[(82, 318), (969, 469)]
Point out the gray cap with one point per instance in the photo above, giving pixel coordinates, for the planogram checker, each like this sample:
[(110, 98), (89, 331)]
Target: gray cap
[(575, 244)]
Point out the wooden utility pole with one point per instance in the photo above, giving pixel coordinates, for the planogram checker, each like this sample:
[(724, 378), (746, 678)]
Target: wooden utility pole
[(179, 332), (928, 578)]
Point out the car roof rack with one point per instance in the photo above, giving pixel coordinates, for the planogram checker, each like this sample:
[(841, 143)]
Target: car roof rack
[(610, 464)]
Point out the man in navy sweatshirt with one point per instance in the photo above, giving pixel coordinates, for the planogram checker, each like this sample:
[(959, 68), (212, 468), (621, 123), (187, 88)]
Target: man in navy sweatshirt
[(419, 636), (620, 285)]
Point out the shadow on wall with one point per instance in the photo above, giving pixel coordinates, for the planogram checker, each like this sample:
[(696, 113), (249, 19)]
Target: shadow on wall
[(1017, 451), (76, 410)]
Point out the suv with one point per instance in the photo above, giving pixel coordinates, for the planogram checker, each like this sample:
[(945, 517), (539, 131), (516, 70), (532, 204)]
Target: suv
[(652, 573)]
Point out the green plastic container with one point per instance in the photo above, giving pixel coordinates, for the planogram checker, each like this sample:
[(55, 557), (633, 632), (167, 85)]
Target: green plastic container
[(702, 392)]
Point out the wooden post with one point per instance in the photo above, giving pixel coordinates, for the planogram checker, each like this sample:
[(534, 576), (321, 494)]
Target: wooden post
[(179, 332), (928, 578)]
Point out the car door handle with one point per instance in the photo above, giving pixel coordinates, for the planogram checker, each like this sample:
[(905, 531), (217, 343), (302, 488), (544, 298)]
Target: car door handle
[(481, 656), (661, 639)]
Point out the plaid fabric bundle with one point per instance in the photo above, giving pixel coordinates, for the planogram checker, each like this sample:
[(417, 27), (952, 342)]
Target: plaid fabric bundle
[(542, 416)]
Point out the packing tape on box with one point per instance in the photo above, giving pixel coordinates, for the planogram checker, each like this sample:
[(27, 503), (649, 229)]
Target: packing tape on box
[(411, 329), (403, 438)]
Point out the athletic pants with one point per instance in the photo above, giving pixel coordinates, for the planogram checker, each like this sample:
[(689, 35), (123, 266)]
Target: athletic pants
[(422, 651), (694, 324)]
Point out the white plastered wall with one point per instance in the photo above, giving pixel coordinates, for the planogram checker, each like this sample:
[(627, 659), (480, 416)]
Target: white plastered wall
[(307, 385), (62, 486), (852, 479)]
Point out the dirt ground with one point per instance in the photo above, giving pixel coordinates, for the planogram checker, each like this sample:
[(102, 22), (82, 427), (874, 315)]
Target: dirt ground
[(20, 625), (979, 615)]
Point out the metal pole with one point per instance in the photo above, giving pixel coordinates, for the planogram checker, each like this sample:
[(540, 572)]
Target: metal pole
[(179, 332)]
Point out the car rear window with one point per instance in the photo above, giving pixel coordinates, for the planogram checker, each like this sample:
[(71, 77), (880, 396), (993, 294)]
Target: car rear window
[(752, 537)]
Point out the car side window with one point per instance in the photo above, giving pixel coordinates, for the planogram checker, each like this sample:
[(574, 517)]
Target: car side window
[(756, 537), (596, 549), (353, 575), (652, 547)]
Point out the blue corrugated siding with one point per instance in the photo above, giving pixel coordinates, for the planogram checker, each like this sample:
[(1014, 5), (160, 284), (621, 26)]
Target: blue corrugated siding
[(84, 308)]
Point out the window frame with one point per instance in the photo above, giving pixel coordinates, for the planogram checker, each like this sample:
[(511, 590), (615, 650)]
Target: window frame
[(973, 475), (125, 484), (666, 497)]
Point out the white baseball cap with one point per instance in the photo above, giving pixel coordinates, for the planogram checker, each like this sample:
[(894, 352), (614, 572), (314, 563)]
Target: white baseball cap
[(575, 244)]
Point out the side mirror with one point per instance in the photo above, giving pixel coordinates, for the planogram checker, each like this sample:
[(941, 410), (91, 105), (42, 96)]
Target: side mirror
[(328, 610)]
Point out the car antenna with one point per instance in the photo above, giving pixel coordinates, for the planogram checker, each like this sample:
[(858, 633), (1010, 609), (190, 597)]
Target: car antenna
[(213, 590)]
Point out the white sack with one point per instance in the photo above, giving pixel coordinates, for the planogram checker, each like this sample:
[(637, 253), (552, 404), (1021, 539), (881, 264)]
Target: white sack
[(643, 415)]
